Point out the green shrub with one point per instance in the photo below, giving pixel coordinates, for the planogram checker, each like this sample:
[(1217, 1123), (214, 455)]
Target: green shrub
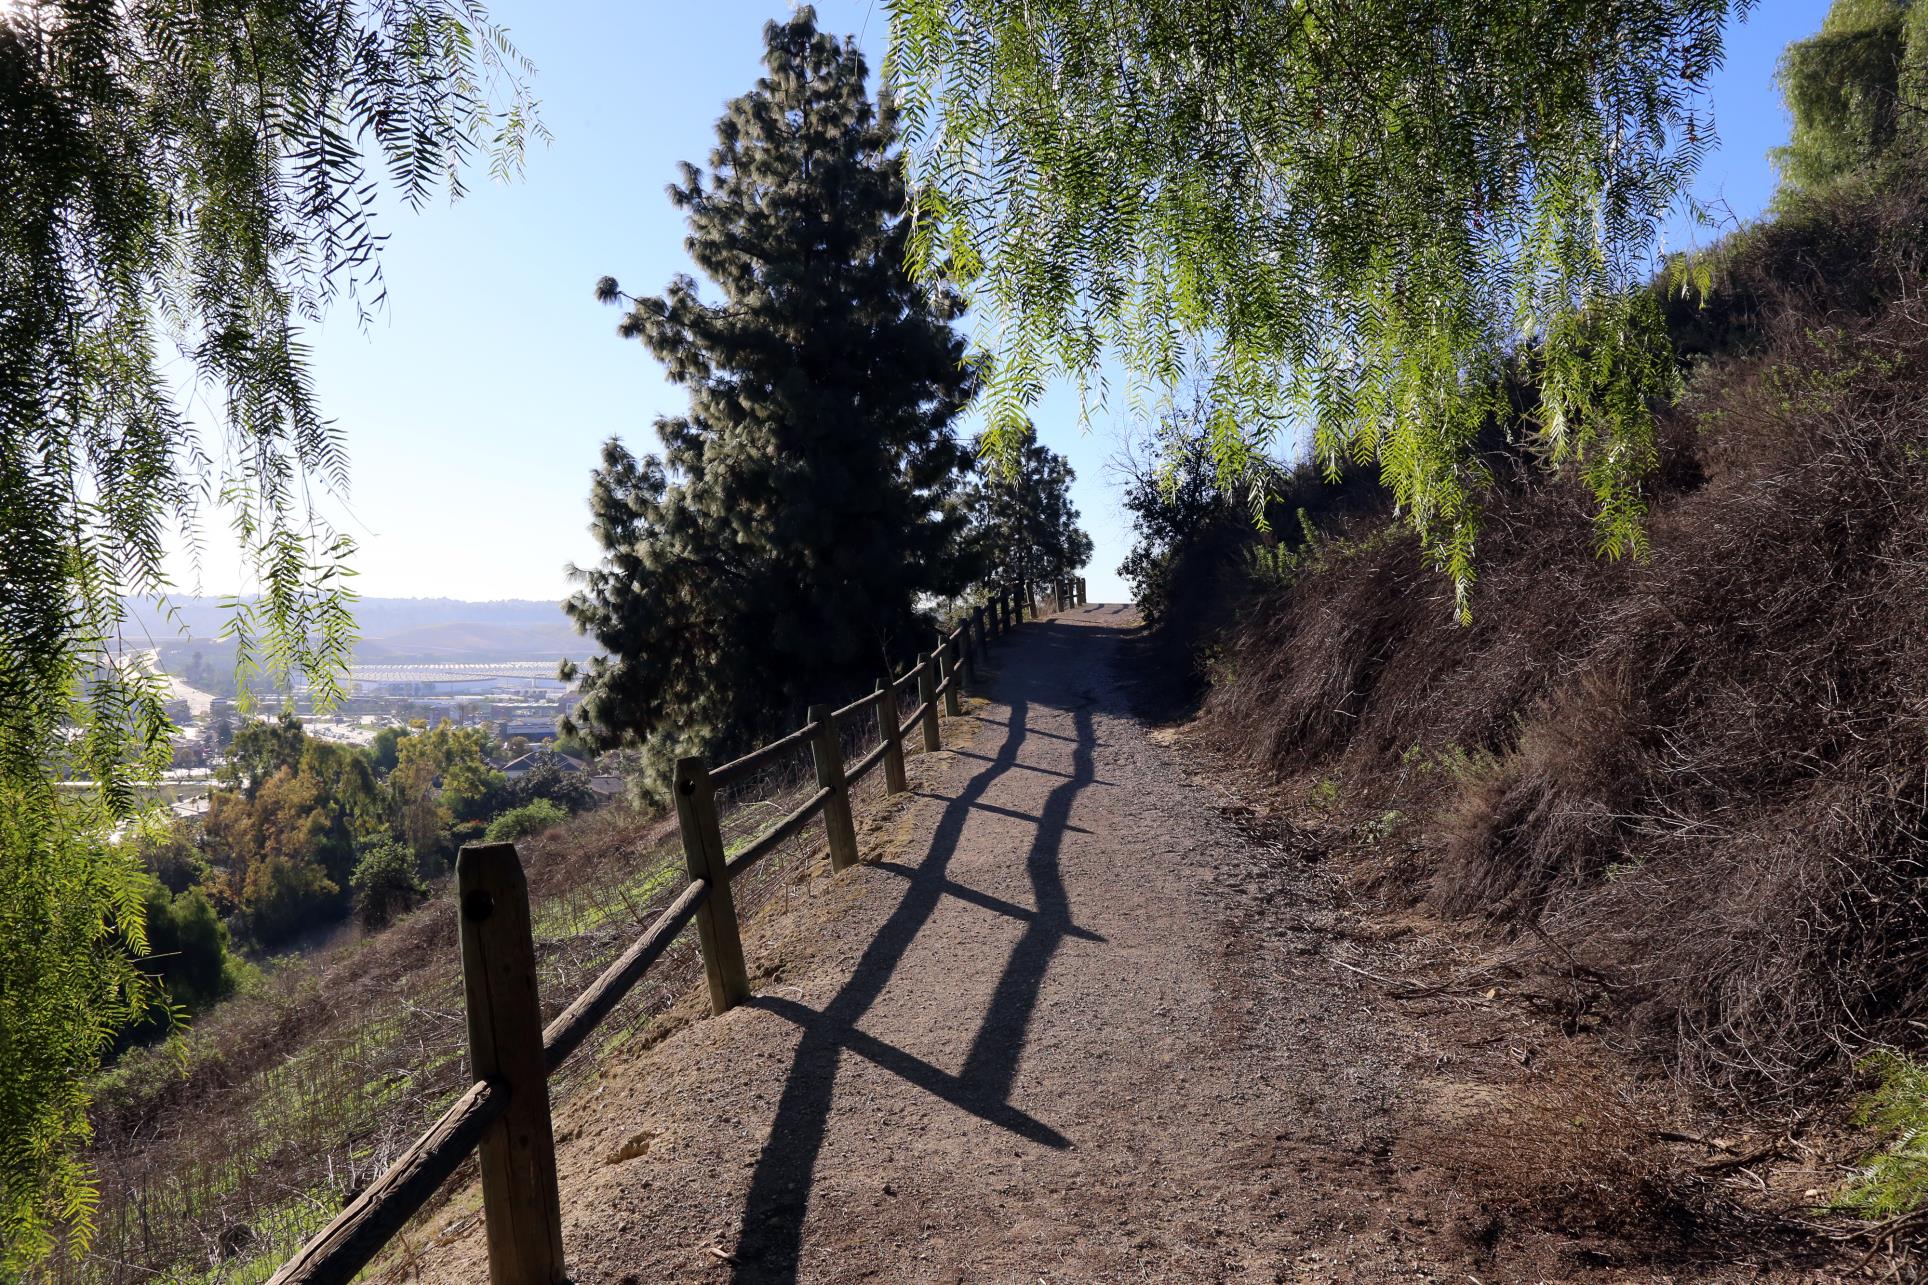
[(188, 953), (1893, 1181), (385, 882), (283, 897), (531, 818)]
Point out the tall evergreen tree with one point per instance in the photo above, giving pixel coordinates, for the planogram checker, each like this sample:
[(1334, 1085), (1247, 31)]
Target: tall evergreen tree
[(777, 551), (1023, 525)]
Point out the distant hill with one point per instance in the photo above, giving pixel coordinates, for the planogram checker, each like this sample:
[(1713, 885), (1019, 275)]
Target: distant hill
[(459, 640), (392, 629)]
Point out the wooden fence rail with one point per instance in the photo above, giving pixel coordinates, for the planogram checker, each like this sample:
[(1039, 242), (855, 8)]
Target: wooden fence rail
[(505, 1114)]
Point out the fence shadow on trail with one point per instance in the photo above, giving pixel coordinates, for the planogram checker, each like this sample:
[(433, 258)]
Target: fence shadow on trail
[(777, 1203), (730, 821)]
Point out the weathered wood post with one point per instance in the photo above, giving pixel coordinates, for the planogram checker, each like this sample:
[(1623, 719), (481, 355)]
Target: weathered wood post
[(1003, 612), (977, 627), (705, 859), (927, 696), (1081, 591), (890, 725), (520, 1206), (827, 750), (947, 674), (967, 653)]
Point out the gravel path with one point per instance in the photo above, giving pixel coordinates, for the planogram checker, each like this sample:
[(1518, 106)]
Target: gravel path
[(1081, 1027)]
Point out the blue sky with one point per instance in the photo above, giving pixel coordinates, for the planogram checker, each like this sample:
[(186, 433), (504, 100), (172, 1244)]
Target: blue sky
[(474, 406)]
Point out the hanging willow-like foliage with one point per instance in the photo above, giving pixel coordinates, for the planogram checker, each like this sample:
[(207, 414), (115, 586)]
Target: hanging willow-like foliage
[(185, 185), (1351, 213)]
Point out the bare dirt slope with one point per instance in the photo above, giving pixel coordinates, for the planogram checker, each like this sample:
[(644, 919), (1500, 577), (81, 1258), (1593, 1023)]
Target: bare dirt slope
[(1083, 1025)]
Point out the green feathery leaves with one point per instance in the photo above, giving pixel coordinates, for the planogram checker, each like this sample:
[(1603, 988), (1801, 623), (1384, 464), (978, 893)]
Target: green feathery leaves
[(1347, 218), (186, 184)]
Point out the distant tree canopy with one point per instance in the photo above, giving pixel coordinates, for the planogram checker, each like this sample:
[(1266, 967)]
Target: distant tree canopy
[(1175, 501), (185, 185), (1022, 523), (777, 552), (1347, 216), (1857, 93)]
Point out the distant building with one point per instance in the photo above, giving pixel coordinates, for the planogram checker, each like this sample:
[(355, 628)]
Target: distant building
[(542, 758), (533, 729)]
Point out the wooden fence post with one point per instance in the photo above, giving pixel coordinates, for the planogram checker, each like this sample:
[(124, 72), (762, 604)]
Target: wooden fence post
[(705, 859), (1003, 612), (927, 696), (1081, 591), (947, 674), (889, 723), (977, 627), (827, 750), (521, 1210), (967, 654)]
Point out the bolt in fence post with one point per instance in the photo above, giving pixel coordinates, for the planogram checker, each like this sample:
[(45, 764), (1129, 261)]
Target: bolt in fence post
[(890, 724), (827, 750), (705, 859), (947, 674), (927, 696), (520, 1206)]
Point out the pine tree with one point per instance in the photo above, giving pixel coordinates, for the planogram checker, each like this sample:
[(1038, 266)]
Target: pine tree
[(1023, 525), (777, 551)]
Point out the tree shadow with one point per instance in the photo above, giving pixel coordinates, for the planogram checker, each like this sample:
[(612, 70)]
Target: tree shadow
[(770, 1243)]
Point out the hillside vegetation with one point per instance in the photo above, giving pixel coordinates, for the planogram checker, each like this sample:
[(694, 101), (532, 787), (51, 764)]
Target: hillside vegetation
[(1700, 777)]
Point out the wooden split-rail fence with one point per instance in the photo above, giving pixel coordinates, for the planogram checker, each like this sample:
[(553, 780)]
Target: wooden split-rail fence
[(505, 1113)]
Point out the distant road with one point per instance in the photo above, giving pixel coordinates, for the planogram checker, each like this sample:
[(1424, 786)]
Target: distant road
[(437, 671), (198, 701)]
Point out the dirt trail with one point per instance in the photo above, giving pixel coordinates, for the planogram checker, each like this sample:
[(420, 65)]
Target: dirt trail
[(1082, 1028)]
